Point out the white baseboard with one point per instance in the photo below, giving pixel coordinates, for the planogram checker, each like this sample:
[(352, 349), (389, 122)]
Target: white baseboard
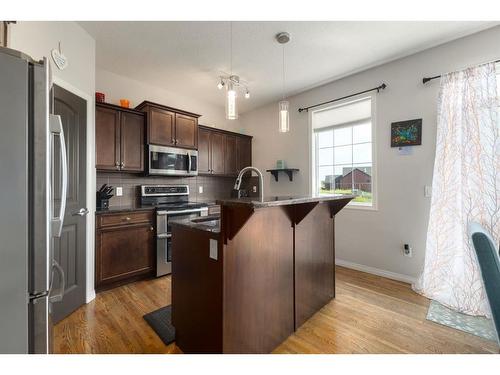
[(376, 271)]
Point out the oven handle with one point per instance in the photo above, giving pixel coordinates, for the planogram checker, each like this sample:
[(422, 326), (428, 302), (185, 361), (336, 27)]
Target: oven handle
[(164, 235), (161, 213)]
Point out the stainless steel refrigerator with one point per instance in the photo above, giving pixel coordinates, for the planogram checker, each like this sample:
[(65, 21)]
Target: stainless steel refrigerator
[(28, 221)]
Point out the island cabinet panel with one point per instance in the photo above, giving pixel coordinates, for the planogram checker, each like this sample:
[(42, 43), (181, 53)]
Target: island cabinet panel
[(196, 291), (258, 306), (119, 134), (231, 155), (125, 248), (314, 262)]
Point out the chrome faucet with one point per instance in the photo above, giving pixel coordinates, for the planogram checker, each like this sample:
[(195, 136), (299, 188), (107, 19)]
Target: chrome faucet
[(237, 184)]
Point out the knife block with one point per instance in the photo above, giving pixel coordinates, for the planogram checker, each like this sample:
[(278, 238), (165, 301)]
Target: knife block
[(101, 203)]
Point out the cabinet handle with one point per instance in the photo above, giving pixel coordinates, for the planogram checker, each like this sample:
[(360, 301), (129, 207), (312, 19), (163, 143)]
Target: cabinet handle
[(151, 228), (117, 165), (173, 141), (176, 141), (122, 164), (127, 219)]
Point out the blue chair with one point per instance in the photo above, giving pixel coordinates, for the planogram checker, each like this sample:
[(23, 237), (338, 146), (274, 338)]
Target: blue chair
[(489, 263)]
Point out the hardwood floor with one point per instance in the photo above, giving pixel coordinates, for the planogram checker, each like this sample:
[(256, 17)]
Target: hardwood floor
[(370, 314)]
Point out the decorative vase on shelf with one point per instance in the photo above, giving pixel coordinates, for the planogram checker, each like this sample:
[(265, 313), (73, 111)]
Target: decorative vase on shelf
[(280, 164)]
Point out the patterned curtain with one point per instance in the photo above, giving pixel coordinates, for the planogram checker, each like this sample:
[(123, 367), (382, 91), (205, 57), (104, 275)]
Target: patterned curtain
[(465, 187)]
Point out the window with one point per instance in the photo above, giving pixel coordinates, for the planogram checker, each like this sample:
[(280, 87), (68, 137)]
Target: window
[(343, 151)]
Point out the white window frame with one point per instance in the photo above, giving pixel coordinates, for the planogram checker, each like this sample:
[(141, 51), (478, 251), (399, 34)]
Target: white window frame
[(312, 149)]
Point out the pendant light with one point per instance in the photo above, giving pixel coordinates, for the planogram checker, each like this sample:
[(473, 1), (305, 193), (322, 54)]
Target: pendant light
[(232, 83), (283, 105), (231, 108)]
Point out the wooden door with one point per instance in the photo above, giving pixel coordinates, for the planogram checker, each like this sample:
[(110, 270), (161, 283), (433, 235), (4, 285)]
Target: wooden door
[(161, 127), (186, 131), (107, 139), (124, 252), (70, 248), (204, 151), (217, 153), (244, 147), (132, 142), (230, 155)]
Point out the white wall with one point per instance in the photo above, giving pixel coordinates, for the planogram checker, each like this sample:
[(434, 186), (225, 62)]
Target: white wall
[(117, 87), (374, 238), (37, 39)]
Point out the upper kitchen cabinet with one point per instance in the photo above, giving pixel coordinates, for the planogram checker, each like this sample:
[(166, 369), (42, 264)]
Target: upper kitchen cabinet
[(230, 155), (119, 134), (204, 166), (244, 152), (168, 126), (222, 153)]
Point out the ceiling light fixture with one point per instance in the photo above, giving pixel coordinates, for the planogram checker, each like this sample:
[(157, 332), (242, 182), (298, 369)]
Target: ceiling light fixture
[(283, 113), (232, 83)]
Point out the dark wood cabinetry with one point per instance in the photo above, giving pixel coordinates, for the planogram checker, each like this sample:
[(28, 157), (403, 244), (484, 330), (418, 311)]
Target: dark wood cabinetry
[(244, 151), (168, 126), (222, 153), (231, 155), (119, 134), (125, 248), (217, 153)]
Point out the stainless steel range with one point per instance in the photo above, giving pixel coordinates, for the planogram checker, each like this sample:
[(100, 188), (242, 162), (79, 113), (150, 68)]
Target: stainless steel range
[(172, 201)]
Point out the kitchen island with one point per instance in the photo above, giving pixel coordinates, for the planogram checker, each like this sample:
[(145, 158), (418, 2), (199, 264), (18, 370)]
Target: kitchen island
[(245, 282)]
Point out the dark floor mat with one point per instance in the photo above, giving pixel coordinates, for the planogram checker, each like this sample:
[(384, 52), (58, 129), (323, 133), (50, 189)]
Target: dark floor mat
[(161, 322)]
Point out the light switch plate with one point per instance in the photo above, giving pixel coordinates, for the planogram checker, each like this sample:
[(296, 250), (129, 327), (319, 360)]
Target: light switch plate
[(213, 249), (119, 191), (200, 189)]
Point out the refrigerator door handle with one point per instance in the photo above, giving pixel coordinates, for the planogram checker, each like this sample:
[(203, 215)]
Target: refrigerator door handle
[(56, 129), (57, 297)]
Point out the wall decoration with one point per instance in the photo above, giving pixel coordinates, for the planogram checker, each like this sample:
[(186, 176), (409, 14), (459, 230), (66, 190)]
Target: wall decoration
[(406, 133), (59, 59)]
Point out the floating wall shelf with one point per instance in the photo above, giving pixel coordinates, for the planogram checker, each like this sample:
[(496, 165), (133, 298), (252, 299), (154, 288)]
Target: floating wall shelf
[(288, 171)]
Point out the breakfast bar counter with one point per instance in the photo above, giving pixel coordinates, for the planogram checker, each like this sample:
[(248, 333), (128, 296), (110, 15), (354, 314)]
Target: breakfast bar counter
[(247, 286)]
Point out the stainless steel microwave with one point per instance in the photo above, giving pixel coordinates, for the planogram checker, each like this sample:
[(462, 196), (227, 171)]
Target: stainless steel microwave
[(171, 161)]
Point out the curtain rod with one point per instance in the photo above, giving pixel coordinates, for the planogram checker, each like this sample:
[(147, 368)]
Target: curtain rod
[(427, 79), (378, 88)]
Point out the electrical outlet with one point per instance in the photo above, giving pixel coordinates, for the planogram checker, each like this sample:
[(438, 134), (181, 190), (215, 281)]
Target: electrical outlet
[(119, 191), (200, 189), (427, 191), (254, 189), (407, 250)]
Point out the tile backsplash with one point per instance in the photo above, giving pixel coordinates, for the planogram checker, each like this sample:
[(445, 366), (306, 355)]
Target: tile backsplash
[(213, 187)]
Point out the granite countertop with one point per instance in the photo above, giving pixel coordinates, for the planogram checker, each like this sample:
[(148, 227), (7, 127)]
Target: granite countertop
[(126, 208), (281, 201), (209, 223)]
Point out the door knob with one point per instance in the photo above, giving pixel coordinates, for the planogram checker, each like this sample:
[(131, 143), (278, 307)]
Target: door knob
[(81, 212)]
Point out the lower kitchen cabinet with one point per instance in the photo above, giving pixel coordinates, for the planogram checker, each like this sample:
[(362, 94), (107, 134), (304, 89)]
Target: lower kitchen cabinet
[(125, 248)]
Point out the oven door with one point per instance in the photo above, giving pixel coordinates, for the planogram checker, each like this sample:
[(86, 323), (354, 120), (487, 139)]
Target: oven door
[(172, 161), (164, 236)]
